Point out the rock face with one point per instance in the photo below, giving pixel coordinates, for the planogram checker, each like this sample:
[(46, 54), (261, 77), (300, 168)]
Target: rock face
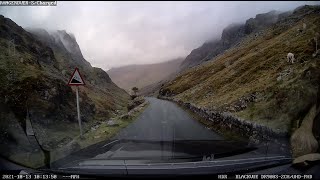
[(63, 44), (231, 35), (201, 54), (69, 42), (260, 21)]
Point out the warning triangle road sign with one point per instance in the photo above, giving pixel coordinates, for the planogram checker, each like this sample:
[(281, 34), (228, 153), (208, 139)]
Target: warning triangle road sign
[(76, 79)]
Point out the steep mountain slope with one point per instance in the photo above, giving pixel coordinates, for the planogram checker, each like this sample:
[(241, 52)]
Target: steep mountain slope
[(254, 81), (231, 35), (34, 71), (140, 76)]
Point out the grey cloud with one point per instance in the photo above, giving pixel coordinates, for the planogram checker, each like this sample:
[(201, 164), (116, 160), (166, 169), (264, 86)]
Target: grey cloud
[(112, 34)]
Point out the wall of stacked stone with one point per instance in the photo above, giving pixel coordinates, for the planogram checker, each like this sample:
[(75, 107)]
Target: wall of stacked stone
[(227, 121)]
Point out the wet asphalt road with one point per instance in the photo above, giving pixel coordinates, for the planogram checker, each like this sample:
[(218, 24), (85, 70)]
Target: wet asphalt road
[(155, 135), (165, 121), (162, 133)]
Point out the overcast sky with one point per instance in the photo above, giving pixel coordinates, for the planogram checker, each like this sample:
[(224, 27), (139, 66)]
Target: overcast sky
[(112, 34)]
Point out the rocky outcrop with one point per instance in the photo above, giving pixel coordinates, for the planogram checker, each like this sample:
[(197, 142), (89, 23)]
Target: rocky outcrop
[(242, 103), (69, 42), (260, 21), (231, 35), (62, 43), (201, 54)]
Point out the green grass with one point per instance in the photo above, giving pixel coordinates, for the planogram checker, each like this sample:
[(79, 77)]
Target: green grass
[(28, 159)]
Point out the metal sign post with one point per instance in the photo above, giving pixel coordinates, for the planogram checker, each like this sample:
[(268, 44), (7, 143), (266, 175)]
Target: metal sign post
[(78, 110), (77, 80)]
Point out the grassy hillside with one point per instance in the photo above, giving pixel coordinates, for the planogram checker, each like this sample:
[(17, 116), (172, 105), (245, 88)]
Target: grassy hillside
[(254, 81)]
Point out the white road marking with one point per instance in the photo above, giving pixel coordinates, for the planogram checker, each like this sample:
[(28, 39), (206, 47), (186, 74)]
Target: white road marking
[(110, 143)]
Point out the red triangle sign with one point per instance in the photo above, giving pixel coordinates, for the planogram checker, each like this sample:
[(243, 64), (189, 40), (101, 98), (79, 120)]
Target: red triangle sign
[(76, 79)]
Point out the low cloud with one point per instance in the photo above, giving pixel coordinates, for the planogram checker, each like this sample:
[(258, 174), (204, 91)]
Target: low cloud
[(112, 34)]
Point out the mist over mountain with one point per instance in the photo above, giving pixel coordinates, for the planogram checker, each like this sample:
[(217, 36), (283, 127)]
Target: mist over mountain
[(140, 76), (231, 35), (114, 34)]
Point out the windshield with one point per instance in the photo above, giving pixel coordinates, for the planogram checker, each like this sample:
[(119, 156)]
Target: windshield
[(90, 84)]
